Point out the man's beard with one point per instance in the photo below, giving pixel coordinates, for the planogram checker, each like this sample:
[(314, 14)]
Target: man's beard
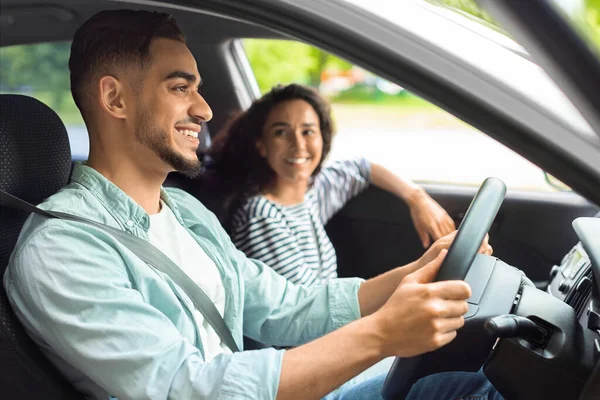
[(156, 139)]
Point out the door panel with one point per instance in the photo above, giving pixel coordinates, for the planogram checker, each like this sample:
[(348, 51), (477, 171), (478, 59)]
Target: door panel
[(374, 231)]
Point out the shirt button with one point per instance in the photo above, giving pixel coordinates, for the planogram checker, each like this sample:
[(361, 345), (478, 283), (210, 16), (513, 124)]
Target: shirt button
[(129, 223)]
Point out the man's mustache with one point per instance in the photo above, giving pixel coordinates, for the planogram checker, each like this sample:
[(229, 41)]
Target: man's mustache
[(190, 120)]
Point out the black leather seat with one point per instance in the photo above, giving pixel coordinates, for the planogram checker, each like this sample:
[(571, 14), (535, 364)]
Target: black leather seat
[(35, 161)]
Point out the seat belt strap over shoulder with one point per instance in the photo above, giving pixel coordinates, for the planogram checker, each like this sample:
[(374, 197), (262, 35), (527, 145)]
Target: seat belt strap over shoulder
[(149, 254)]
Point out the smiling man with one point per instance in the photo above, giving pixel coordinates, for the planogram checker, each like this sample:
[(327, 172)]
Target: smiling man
[(119, 329)]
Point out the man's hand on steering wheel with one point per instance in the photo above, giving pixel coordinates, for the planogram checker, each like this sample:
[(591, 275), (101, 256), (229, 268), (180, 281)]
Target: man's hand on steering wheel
[(421, 316), (444, 243)]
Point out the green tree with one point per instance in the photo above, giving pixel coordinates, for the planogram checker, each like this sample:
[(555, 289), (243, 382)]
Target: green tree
[(41, 68), (279, 61), (592, 21), (276, 61)]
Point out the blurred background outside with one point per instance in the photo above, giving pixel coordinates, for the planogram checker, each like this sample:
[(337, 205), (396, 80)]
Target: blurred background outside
[(375, 118)]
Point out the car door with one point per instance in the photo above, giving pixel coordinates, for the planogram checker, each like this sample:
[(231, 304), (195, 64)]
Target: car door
[(374, 231)]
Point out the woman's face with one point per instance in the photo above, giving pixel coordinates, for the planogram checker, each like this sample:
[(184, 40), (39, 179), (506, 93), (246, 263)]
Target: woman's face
[(291, 142)]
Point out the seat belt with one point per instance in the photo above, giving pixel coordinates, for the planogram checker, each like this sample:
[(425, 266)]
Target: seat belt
[(149, 254)]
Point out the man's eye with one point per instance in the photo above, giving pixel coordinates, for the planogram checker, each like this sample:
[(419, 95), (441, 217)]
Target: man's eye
[(182, 89), (308, 132), (279, 132)]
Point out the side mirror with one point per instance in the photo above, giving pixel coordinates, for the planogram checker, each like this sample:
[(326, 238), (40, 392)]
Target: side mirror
[(555, 183)]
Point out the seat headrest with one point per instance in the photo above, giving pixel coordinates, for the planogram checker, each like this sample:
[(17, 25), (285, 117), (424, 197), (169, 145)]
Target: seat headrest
[(35, 156)]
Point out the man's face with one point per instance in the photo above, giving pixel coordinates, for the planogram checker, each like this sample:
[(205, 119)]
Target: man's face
[(168, 107)]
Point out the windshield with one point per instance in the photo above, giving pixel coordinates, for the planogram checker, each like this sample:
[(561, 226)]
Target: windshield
[(582, 15), (464, 31)]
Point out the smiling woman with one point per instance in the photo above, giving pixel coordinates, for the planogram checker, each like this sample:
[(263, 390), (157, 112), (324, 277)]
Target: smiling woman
[(269, 163)]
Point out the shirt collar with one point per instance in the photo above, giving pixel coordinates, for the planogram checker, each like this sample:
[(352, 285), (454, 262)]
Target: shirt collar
[(122, 207)]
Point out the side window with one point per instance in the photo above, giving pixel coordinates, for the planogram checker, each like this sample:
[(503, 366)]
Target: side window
[(41, 71), (389, 125)]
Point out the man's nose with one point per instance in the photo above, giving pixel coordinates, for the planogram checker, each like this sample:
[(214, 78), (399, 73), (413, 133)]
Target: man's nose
[(200, 109)]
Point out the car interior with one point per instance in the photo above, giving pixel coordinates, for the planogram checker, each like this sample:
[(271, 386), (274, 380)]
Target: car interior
[(372, 233)]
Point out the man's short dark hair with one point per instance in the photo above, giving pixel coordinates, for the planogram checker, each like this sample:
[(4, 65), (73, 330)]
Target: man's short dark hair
[(113, 39)]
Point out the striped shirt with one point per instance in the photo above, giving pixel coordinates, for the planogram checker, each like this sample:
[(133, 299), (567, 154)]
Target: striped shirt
[(292, 239)]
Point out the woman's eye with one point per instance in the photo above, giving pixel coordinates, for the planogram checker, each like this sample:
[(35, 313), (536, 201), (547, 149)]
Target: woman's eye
[(279, 132), (308, 132)]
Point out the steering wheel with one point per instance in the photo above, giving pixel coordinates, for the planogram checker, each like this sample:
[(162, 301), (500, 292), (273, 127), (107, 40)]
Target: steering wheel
[(471, 232)]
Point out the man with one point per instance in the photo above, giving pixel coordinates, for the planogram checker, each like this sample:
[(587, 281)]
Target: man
[(116, 327)]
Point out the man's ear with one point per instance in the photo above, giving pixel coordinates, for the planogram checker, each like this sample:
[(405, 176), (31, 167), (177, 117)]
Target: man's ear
[(112, 99)]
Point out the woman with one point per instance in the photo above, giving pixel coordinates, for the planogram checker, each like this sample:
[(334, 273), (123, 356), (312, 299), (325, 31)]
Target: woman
[(269, 161)]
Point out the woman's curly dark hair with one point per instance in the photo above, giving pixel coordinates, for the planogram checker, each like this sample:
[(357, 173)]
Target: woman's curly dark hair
[(237, 169)]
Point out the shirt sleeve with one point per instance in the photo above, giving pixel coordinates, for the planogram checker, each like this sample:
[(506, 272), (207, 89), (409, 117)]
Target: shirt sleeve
[(282, 313), (338, 183), (279, 312), (270, 240), (73, 292)]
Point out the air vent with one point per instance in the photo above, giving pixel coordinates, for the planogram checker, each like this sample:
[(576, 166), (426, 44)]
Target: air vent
[(581, 293)]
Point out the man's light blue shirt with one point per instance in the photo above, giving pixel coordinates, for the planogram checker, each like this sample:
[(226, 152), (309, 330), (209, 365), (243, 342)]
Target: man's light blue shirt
[(117, 327)]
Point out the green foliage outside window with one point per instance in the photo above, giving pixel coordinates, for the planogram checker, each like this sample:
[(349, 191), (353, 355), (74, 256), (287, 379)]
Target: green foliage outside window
[(41, 71), (284, 61)]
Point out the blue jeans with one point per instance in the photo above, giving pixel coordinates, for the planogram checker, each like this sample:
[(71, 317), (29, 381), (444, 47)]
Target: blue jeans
[(443, 386)]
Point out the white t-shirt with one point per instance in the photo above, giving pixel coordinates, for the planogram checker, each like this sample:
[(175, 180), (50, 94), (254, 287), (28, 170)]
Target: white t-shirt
[(174, 240)]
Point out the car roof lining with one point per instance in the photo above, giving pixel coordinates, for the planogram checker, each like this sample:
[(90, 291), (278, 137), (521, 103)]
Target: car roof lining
[(18, 17)]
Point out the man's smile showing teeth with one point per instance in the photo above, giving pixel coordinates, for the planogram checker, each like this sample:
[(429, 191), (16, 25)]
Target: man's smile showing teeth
[(188, 132), (297, 160)]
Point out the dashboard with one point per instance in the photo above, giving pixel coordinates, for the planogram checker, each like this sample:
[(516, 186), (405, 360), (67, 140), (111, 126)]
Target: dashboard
[(572, 280), (560, 357), (576, 281)]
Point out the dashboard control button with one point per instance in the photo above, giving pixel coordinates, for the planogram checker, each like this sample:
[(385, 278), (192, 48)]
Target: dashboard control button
[(563, 287), (554, 271)]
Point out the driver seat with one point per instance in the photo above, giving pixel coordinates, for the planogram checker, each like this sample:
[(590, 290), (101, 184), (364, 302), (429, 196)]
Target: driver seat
[(35, 162)]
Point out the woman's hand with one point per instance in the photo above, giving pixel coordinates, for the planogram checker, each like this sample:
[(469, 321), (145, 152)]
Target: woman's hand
[(429, 218)]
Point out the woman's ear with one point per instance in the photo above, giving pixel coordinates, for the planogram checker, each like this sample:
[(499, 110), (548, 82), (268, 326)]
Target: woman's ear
[(260, 145)]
